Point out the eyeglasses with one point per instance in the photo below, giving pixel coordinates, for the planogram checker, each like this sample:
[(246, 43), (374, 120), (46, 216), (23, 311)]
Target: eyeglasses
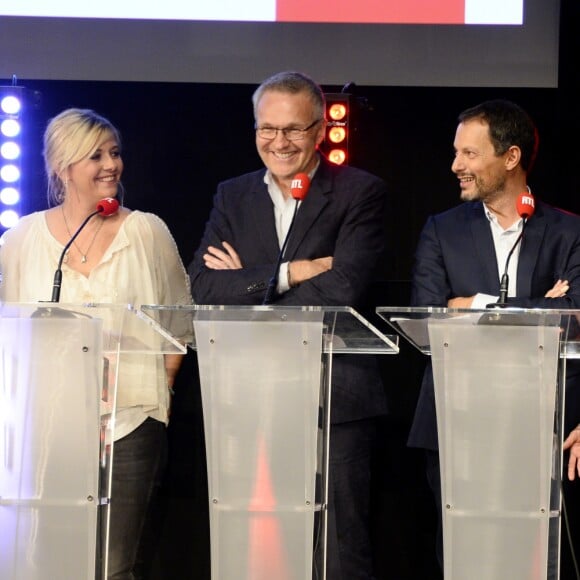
[(290, 133)]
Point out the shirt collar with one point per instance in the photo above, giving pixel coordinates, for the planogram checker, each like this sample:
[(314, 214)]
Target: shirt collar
[(269, 180), (492, 218)]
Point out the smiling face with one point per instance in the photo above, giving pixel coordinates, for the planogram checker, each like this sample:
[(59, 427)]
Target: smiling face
[(285, 158), (482, 173), (97, 175)]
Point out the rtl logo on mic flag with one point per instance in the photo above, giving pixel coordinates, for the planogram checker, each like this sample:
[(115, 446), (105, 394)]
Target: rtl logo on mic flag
[(526, 205), (300, 186)]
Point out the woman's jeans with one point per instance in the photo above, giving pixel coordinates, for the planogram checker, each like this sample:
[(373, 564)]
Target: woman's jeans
[(138, 463)]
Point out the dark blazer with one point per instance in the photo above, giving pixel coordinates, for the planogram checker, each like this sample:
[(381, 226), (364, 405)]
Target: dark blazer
[(342, 216), (456, 257)]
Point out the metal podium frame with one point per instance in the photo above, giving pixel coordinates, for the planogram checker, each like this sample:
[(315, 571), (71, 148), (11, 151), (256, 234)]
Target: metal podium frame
[(58, 375), (265, 381), (499, 377)]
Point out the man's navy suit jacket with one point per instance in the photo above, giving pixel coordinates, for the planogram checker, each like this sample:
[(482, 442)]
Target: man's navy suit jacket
[(342, 216), (456, 257)]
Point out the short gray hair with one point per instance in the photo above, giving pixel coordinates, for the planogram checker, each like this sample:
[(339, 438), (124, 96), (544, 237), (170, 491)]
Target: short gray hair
[(293, 83)]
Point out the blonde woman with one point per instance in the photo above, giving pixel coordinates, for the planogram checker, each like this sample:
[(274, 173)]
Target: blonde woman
[(128, 257)]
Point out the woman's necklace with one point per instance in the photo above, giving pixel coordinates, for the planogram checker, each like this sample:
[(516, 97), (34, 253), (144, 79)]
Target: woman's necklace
[(86, 252)]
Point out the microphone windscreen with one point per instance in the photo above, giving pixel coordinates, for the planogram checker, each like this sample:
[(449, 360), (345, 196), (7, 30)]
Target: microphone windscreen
[(107, 206), (525, 205), (300, 186)]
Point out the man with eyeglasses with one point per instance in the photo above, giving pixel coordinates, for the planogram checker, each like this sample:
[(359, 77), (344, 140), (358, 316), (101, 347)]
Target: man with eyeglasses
[(336, 242)]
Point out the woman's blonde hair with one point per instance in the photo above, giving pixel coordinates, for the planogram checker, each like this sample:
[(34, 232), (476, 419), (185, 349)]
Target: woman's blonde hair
[(71, 136)]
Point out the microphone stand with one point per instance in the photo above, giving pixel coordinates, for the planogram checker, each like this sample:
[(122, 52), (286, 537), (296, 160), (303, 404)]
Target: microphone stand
[(503, 286), (274, 279), (58, 274)]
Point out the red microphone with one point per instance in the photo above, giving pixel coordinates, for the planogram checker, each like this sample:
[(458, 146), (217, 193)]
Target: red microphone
[(300, 186), (108, 206), (526, 205)]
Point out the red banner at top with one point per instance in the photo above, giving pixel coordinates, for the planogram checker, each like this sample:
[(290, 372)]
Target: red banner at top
[(372, 11)]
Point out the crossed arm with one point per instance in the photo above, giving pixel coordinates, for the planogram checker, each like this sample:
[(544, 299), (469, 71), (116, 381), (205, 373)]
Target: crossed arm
[(299, 270), (557, 291)]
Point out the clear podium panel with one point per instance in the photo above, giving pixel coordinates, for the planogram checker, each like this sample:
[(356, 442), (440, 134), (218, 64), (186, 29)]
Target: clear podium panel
[(59, 366), (499, 384), (495, 392), (265, 381), (261, 420), (49, 447), (345, 331), (124, 328)]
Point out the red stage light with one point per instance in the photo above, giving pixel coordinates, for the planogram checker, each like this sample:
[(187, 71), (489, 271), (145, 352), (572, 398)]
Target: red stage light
[(335, 144)]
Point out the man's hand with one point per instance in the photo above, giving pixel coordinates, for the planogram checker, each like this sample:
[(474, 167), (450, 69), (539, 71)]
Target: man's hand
[(217, 259), (558, 290), (572, 442), (460, 302), (301, 270)]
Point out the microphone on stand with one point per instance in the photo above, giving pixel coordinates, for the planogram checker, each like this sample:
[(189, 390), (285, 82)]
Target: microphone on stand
[(298, 189), (525, 205), (108, 206)]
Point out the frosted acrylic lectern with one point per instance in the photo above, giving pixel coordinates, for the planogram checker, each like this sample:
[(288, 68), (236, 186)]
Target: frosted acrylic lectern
[(58, 377), (265, 382), (499, 378)]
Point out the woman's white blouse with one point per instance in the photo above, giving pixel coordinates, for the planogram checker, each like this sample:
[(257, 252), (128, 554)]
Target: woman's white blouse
[(141, 266)]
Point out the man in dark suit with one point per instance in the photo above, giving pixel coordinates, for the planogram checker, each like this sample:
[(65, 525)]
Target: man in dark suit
[(462, 252), (336, 241)]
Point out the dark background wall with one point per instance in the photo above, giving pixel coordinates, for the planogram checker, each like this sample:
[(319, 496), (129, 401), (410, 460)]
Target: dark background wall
[(180, 140)]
